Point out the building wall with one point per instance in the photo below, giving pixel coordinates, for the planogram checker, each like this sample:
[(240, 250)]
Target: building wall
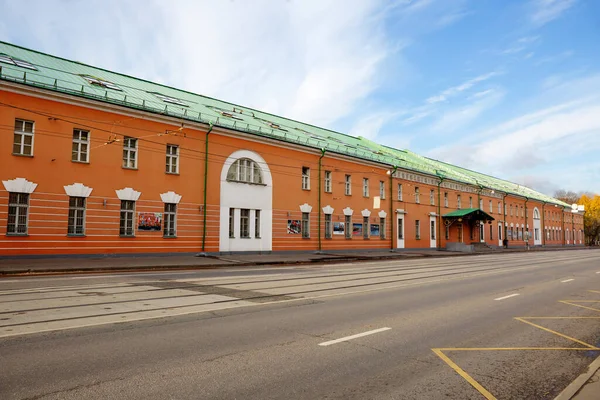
[(51, 169)]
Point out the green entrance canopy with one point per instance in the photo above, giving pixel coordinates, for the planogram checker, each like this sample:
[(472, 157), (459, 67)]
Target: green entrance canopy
[(469, 214)]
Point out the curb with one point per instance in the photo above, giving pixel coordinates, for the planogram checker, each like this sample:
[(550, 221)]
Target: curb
[(575, 386), (153, 268)]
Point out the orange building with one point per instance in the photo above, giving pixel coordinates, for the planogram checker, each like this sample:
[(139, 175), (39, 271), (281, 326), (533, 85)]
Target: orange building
[(96, 162)]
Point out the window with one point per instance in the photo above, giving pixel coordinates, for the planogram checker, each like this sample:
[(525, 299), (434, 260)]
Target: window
[(417, 195), (491, 232), (491, 206), (245, 170), (481, 204), (169, 99), (257, 223), (432, 230), (305, 178), (399, 192), (458, 202), (76, 222), (231, 222), (23, 138), (244, 223), (445, 199), (382, 228), (348, 227), (126, 223), (505, 209), (81, 143), (470, 202), (328, 226), (447, 232), (417, 229), (328, 181), (18, 207), (365, 227), (5, 58), (365, 187), (348, 183), (400, 228), (511, 210), (499, 208), (432, 197), (170, 220), (129, 152), (92, 80), (382, 189), (305, 226), (172, 159)]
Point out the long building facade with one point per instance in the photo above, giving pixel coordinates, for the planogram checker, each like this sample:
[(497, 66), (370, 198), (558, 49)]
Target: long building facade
[(96, 162)]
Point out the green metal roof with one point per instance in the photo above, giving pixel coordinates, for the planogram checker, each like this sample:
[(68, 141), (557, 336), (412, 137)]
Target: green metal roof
[(65, 76), (465, 212)]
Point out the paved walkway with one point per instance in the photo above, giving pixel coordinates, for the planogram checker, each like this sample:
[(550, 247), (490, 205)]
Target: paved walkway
[(12, 266)]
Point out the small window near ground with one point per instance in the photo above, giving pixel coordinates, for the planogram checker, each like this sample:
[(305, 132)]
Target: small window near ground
[(170, 220), (126, 221), (76, 224), (18, 210)]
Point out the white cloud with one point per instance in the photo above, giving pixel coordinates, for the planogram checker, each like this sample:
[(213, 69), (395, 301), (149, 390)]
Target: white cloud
[(541, 143), (313, 60), (455, 118), (455, 90), (545, 11), (370, 126)]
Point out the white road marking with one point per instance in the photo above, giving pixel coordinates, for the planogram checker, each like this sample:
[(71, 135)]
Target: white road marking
[(567, 280), (345, 339), (598, 272), (507, 297)]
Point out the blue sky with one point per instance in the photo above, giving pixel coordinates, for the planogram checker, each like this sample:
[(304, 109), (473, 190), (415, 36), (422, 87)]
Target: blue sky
[(510, 88)]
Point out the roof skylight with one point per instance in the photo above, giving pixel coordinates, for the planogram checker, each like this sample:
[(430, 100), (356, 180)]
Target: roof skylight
[(92, 80), (169, 99), (5, 58)]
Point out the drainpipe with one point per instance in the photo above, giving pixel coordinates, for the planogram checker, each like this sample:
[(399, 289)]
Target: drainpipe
[(439, 212), (391, 218), (562, 224), (526, 226), (320, 210), (210, 128), (543, 224), (505, 214)]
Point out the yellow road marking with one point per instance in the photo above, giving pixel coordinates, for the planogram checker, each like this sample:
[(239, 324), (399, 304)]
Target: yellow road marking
[(556, 333), (462, 373), (584, 301), (560, 317), (514, 348), (579, 305)]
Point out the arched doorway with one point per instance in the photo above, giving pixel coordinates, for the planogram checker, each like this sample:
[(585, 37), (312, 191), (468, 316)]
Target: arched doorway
[(246, 221), (537, 227)]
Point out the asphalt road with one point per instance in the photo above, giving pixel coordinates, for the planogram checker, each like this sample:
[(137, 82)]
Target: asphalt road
[(443, 328)]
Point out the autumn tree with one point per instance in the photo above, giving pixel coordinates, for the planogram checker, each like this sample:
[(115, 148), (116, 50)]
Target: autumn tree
[(591, 217)]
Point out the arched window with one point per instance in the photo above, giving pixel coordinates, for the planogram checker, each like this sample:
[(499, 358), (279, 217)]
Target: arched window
[(536, 213), (245, 170)]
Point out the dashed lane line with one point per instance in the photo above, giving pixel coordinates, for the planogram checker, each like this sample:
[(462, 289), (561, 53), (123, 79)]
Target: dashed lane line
[(358, 335), (507, 297), (567, 280)]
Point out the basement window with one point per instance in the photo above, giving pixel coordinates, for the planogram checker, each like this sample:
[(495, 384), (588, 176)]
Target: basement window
[(92, 80), (169, 99), (5, 58)]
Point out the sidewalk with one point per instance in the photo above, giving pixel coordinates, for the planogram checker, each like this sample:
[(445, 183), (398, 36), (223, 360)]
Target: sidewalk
[(73, 264), (114, 263)]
